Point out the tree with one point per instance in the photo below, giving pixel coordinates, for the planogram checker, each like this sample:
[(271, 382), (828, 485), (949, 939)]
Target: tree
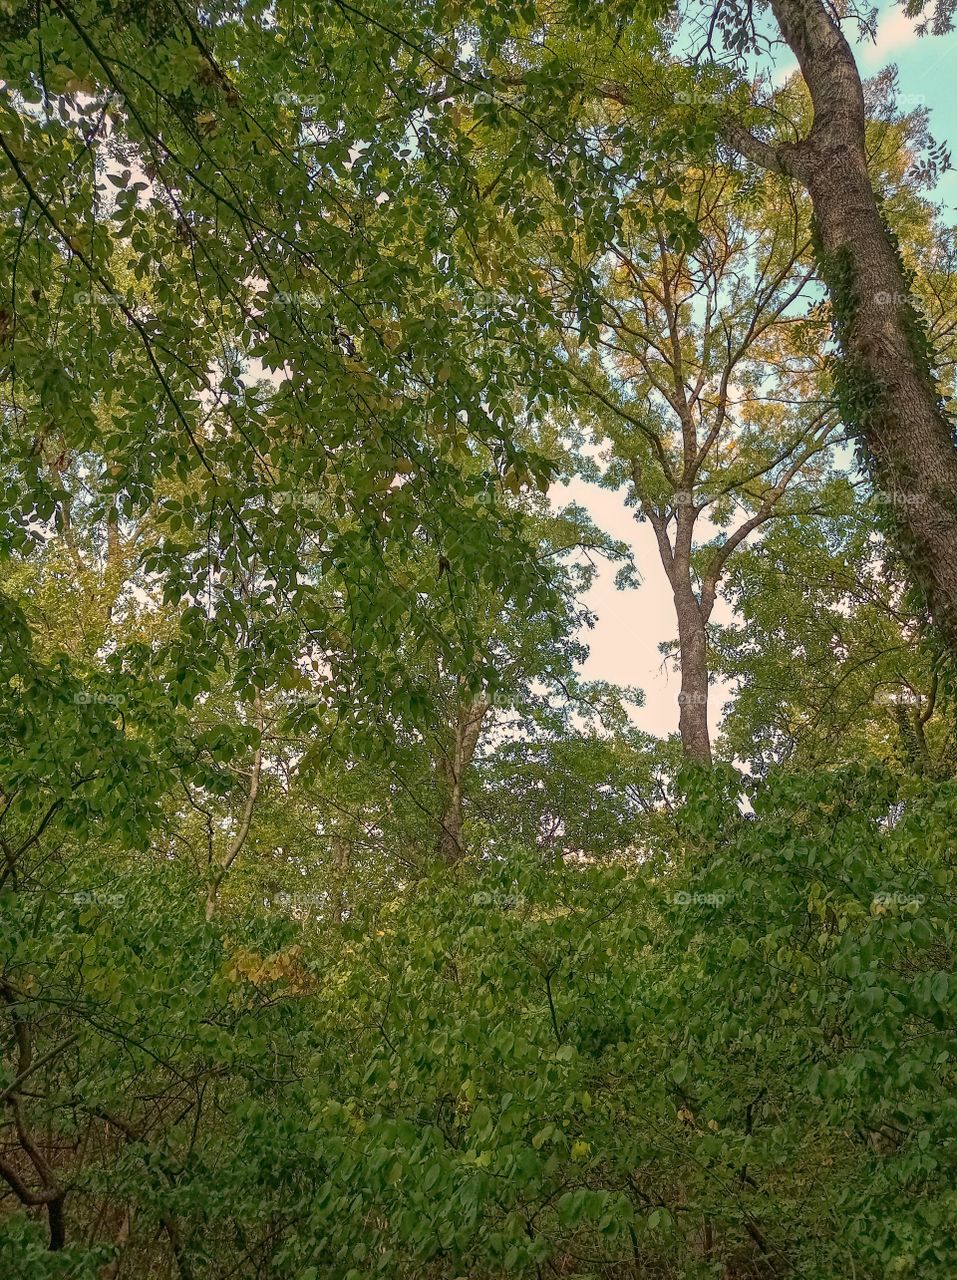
[(706, 390), (688, 96), (532, 683), (213, 301), (889, 372)]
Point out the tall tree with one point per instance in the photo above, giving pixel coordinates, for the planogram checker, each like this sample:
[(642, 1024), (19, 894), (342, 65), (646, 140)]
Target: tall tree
[(694, 94), (705, 390), (889, 371)]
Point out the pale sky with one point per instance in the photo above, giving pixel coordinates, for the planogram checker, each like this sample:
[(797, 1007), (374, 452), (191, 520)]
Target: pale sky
[(623, 646)]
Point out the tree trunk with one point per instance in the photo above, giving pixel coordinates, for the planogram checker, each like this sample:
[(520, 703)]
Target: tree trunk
[(889, 386), (692, 615), (340, 864), (451, 769), (693, 656)]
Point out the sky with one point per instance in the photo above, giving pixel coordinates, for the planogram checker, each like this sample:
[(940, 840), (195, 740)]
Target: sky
[(624, 644)]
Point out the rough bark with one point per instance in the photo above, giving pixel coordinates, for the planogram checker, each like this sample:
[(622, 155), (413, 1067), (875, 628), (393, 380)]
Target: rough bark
[(693, 698), (340, 863), (693, 615), (887, 371), (452, 768)]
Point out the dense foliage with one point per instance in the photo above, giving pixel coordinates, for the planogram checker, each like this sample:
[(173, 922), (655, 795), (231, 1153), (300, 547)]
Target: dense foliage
[(348, 929), (736, 1054)]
